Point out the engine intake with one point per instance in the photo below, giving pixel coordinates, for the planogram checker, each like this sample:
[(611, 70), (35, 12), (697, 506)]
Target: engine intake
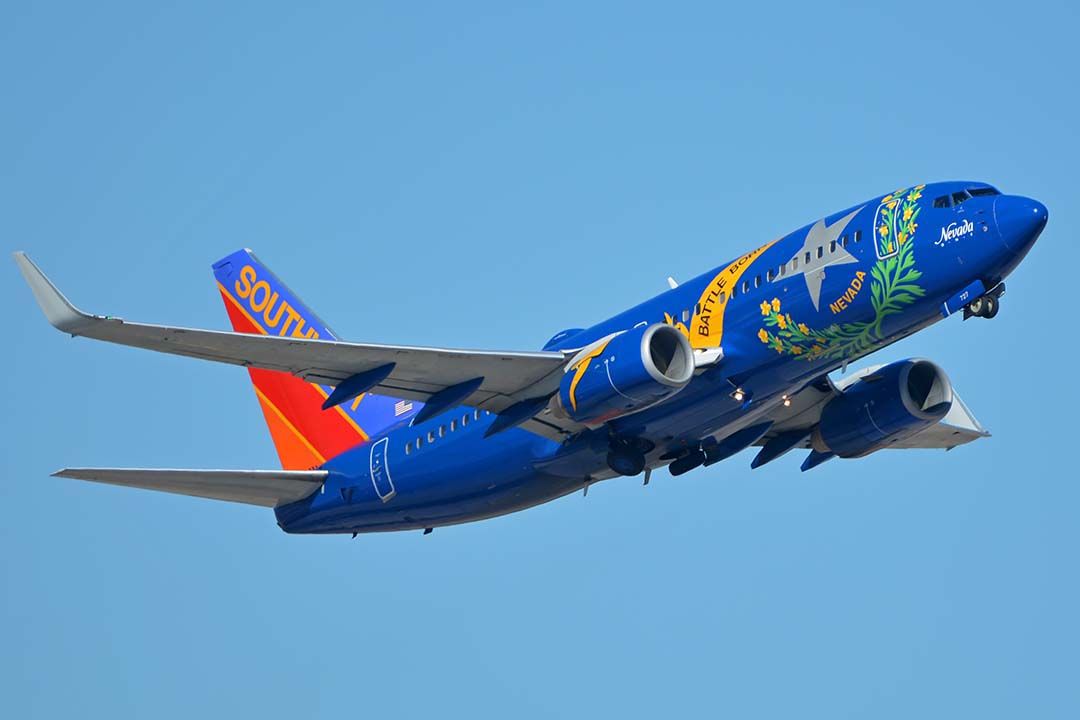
[(625, 373), (892, 403)]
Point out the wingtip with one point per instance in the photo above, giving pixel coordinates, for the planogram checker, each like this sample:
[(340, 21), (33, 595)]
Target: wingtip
[(58, 310)]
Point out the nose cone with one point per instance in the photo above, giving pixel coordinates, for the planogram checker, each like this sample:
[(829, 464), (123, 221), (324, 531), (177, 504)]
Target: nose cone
[(1019, 221)]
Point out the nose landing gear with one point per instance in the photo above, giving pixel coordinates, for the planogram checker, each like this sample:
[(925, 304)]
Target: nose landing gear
[(986, 306)]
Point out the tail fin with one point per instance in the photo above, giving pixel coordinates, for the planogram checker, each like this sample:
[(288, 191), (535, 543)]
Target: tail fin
[(305, 435)]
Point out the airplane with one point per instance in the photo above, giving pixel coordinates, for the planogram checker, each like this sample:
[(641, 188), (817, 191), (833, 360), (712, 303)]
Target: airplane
[(377, 438)]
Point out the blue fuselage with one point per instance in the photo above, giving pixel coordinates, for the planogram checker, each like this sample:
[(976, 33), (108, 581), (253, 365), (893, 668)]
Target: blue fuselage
[(783, 315)]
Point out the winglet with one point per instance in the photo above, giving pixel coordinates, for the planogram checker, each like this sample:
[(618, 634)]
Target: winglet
[(60, 313)]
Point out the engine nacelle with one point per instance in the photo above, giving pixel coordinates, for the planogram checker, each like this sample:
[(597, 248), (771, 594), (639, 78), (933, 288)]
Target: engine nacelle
[(891, 403), (625, 373)]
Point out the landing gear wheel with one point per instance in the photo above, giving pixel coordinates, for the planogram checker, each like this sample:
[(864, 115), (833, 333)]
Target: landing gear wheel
[(626, 462), (992, 307), (978, 306)]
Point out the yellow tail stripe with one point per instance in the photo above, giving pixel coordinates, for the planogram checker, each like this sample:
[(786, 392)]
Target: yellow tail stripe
[(363, 435)]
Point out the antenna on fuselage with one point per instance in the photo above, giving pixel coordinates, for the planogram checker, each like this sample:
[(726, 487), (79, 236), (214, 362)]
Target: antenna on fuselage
[(672, 282)]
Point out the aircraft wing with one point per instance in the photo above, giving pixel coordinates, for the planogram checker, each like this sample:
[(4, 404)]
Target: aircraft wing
[(268, 488), (418, 373), (958, 427)]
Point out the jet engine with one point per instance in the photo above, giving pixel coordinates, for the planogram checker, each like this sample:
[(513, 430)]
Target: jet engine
[(626, 372), (891, 403)]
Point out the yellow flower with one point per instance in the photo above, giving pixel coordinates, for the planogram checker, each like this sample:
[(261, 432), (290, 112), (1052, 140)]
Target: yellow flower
[(776, 304), (907, 214), (796, 350), (901, 237), (781, 321), (884, 231), (764, 308), (886, 199), (763, 336), (893, 204), (803, 329), (779, 345)]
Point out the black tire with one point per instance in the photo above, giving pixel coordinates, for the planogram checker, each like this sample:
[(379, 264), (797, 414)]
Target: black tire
[(978, 306), (992, 307), (626, 462)]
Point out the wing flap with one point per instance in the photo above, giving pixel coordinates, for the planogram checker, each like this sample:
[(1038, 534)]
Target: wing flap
[(268, 488), (958, 427)]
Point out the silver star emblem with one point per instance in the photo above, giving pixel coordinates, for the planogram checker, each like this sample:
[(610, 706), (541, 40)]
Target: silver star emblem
[(814, 270)]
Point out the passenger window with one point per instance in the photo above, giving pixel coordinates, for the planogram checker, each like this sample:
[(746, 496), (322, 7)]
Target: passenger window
[(476, 414), (745, 286), (858, 235), (820, 250), (794, 263), (769, 275), (686, 316), (419, 442), (843, 241), (959, 197), (697, 307), (942, 202), (832, 247), (464, 419), (442, 431), (783, 270), (431, 436), (757, 281), (453, 425), (807, 258), (408, 448)]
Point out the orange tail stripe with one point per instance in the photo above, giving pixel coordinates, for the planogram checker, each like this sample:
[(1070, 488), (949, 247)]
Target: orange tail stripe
[(299, 403)]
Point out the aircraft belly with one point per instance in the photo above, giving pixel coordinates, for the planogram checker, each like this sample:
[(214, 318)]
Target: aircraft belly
[(458, 479)]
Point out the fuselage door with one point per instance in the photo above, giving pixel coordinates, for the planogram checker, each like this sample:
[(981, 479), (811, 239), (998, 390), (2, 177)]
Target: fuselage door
[(380, 471)]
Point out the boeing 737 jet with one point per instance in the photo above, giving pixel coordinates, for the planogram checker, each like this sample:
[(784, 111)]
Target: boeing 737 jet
[(384, 437)]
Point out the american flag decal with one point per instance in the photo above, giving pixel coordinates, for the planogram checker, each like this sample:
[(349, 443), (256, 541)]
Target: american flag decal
[(401, 407)]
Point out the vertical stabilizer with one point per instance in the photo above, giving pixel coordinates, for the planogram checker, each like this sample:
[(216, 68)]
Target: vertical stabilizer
[(305, 435)]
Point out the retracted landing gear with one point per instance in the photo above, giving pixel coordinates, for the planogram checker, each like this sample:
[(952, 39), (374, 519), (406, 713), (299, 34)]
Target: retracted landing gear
[(626, 462), (627, 456), (986, 306)]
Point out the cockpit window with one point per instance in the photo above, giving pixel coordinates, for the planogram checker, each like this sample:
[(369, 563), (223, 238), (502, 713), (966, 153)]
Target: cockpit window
[(983, 191), (959, 197), (942, 202)]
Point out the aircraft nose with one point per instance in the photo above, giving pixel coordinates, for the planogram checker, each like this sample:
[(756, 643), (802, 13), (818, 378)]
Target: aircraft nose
[(1019, 220)]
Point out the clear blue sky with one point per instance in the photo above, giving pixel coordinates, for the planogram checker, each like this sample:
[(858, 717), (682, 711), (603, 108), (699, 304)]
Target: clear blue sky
[(481, 176)]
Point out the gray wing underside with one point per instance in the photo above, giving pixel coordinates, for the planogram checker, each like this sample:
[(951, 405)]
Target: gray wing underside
[(958, 427), (268, 488), (419, 372)]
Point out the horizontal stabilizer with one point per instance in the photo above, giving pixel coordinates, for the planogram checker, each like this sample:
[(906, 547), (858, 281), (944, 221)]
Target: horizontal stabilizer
[(268, 488)]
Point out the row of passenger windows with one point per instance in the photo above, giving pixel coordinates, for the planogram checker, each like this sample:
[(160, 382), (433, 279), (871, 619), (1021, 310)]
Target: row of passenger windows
[(440, 432), (958, 197), (782, 270)]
